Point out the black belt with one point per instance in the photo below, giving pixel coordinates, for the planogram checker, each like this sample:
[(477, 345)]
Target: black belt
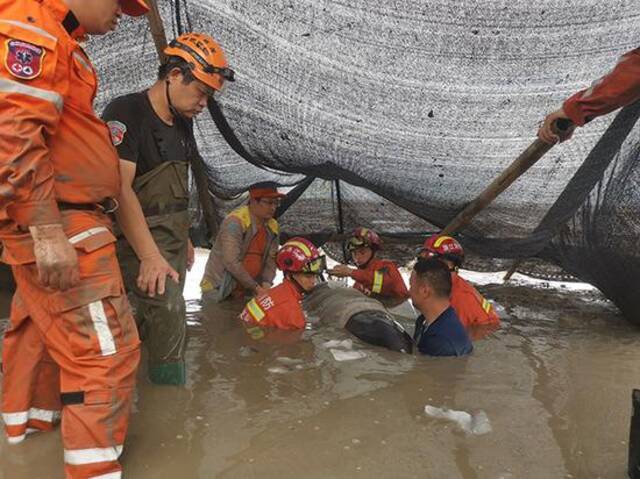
[(165, 210), (106, 206), (68, 399)]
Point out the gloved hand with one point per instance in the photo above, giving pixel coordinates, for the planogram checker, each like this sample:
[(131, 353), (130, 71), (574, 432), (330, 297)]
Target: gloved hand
[(548, 131), (56, 258), (153, 273)]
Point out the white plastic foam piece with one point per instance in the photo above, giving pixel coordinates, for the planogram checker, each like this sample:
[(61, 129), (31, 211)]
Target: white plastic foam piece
[(340, 355), (476, 424), (278, 370), (289, 361), (337, 343)]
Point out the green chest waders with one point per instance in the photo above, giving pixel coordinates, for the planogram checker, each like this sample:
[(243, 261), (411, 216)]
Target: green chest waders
[(164, 196)]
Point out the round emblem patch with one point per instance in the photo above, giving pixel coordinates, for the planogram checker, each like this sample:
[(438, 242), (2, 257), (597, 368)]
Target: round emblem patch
[(117, 130), (23, 60)]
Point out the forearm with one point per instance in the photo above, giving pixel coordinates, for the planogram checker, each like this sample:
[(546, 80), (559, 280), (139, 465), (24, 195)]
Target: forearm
[(236, 269), (132, 222), (230, 241), (618, 88), (269, 272), (362, 276)]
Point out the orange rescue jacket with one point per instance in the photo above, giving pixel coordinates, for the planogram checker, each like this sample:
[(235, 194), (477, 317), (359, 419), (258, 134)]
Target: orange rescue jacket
[(53, 147), (279, 308), (472, 308), (380, 278)]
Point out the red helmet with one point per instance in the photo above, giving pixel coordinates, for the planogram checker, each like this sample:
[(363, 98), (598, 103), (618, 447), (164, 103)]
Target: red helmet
[(364, 237), (299, 255), (133, 8), (443, 247)]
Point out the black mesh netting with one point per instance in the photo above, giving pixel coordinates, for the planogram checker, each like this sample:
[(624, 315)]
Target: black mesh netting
[(416, 106)]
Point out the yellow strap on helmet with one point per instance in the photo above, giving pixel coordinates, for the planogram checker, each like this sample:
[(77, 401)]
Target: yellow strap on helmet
[(440, 240), (298, 244)]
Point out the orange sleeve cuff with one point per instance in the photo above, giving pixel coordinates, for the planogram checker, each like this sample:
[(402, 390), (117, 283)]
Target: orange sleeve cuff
[(573, 110), (34, 213)]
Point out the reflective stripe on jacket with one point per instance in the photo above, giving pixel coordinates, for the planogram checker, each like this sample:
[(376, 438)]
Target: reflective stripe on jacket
[(52, 144), (224, 267)]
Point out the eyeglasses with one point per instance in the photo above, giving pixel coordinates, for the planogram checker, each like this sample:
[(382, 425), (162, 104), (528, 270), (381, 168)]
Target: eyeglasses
[(271, 201)]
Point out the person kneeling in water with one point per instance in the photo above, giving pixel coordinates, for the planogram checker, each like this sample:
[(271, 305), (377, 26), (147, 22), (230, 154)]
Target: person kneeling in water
[(378, 278), (438, 330), (472, 308), (280, 306)]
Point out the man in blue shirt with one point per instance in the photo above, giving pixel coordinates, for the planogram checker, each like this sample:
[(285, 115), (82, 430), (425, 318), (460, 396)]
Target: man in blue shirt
[(438, 330)]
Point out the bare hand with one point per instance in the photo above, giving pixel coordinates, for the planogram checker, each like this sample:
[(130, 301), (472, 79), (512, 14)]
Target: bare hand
[(56, 258), (191, 255), (549, 133), (341, 271), (261, 290), (153, 273)]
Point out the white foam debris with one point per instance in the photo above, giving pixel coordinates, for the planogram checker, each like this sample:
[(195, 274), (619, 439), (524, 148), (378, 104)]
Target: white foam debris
[(278, 370), (340, 355), (476, 424), (289, 361), (337, 343)]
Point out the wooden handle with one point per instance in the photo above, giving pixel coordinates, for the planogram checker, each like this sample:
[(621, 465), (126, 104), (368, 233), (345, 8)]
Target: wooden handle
[(526, 160), (157, 29)]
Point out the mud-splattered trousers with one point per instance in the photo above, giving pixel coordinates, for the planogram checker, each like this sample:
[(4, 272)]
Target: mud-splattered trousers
[(69, 354)]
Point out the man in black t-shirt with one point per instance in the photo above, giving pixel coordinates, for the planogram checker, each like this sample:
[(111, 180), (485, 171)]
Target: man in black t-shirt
[(152, 131)]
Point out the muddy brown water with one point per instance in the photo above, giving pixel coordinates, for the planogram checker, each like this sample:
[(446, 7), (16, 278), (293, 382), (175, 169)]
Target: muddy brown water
[(554, 382)]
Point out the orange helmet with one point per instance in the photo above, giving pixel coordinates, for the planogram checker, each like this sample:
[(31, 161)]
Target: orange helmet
[(205, 57)]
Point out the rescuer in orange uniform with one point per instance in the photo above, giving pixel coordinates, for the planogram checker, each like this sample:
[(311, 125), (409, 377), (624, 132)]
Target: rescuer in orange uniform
[(618, 88), (280, 306), (374, 277), (472, 308), (72, 348)]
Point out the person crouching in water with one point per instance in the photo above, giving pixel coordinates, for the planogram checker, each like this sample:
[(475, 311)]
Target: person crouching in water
[(438, 330), (280, 307), (242, 260), (472, 308), (378, 278)]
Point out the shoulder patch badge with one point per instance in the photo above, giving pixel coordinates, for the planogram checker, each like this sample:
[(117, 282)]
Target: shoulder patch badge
[(24, 60), (117, 130)]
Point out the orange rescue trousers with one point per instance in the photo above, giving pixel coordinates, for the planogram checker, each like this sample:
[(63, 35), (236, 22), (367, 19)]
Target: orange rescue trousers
[(82, 343)]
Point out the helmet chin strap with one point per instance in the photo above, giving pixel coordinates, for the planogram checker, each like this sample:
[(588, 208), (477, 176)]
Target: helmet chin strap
[(299, 287), (172, 109)]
